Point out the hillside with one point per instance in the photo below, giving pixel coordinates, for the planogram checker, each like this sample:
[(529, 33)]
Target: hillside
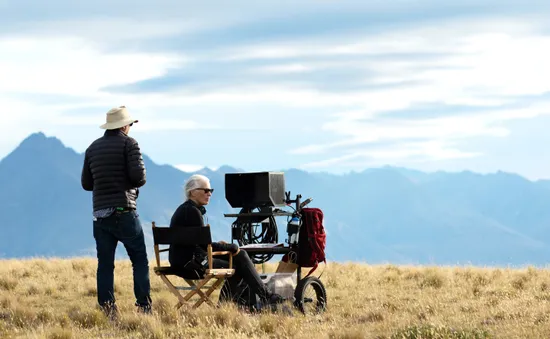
[(378, 215), (57, 299)]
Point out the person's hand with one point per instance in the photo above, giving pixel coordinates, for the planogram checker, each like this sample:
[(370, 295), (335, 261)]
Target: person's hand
[(222, 242), (233, 248)]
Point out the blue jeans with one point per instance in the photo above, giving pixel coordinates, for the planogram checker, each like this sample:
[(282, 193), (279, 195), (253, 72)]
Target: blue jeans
[(126, 228)]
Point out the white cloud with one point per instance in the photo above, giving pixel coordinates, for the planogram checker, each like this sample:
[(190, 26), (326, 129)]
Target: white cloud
[(165, 125), (363, 132), (74, 67), (285, 68), (497, 64), (71, 66), (483, 62), (110, 31), (144, 125), (437, 138), (409, 152), (478, 68)]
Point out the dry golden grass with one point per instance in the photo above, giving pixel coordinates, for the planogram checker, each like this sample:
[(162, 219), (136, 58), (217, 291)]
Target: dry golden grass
[(56, 298)]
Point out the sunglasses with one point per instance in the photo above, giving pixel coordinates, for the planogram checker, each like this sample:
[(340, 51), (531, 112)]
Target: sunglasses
[(206, 190)]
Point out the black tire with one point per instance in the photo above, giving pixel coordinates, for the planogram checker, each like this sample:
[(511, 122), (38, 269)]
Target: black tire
[(304, 299)]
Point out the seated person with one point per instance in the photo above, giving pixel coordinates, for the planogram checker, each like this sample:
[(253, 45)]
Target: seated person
[(190, 214)]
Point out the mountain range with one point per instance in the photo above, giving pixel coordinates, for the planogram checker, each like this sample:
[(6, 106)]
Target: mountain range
[(380, 215)]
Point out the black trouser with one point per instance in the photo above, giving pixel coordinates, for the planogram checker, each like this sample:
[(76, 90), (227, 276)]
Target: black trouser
[(126, 228), (244, 270)]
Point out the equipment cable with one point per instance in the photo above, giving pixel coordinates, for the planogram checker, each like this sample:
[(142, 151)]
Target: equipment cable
[(249, 232)]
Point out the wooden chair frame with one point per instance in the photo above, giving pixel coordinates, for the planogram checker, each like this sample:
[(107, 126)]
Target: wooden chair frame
[(184, 236)]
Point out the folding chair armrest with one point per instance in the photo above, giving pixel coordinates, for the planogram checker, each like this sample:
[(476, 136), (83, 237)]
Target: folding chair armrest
[(221, 253), (213, 253)]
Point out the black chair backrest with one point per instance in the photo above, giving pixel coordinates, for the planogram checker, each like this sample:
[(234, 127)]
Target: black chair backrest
[(182, 235)]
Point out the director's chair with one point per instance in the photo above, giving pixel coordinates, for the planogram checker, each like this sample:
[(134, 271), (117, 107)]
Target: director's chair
[(196, 281)]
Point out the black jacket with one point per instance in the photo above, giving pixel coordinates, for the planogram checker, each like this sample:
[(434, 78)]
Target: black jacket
[(114, 170), (190, 214)]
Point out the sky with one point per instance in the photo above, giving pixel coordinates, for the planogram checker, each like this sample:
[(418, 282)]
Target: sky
[(332, 86)]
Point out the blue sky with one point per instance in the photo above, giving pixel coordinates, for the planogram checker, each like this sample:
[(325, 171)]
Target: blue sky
[(317, 85)]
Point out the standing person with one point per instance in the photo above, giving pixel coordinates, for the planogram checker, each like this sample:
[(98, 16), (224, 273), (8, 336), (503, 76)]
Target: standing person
[(114, 171)]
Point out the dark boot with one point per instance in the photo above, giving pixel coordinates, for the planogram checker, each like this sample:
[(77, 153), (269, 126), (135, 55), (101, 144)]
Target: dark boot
[(145, 309), (275, 298), (110, 311)]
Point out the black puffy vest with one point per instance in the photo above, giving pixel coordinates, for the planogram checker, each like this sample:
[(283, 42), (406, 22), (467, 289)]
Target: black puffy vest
[(114, 170)]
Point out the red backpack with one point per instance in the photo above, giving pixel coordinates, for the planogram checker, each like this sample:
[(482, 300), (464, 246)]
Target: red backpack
[(312, 239)]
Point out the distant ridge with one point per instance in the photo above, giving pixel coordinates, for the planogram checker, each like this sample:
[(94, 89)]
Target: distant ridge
[(386, 214)]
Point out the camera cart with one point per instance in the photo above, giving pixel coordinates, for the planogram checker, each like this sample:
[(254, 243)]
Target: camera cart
[(255, 230)]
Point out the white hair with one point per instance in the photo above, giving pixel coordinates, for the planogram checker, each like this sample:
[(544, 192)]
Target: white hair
[(194, 181)]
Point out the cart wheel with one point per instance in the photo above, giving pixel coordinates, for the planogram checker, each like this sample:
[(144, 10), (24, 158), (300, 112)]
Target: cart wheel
[(311, 296)]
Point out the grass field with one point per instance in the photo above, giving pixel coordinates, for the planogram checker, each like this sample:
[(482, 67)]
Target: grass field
[(56, 298)]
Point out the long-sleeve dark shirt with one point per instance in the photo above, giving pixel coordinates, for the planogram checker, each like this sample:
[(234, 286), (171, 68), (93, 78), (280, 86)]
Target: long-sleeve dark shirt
[(114, 170), (189, 214)]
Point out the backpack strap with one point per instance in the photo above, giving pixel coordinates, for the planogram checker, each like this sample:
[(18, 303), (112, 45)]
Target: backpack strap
[(314, 268)]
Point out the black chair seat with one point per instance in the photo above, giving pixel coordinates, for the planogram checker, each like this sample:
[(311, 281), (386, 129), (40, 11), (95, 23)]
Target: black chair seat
[(183, 273)]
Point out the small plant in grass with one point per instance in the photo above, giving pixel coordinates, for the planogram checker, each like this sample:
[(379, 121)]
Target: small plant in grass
[(431, 279), (7, 283), (439, 332), (60, 333)]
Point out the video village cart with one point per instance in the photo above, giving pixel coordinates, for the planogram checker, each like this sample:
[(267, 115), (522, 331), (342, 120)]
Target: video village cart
[(261, 197)]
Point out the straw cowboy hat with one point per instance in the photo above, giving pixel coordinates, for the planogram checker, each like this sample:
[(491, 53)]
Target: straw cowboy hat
[(117, 117)]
